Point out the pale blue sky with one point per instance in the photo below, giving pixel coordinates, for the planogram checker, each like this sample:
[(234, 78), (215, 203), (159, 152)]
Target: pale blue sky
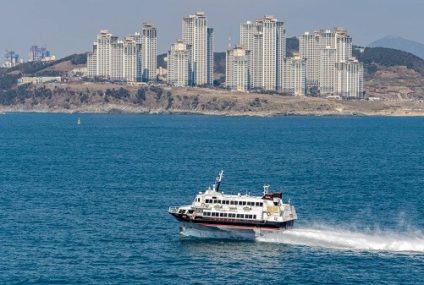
[(69, 26)]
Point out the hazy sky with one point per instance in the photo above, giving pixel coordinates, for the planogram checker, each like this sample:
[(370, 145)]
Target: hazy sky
[(70, 26)]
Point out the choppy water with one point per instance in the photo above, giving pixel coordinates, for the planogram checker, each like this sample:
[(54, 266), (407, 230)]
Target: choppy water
[(87, 204)]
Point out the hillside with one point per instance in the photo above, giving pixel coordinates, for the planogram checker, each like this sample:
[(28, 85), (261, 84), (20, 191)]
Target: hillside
[(375, 58), (9, 77), (394, 76), (400, 43)]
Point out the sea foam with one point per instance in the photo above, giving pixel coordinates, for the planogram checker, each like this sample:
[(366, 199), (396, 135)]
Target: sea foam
[(335, 238)]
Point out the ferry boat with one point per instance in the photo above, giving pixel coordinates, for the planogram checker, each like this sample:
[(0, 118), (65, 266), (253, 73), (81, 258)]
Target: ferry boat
[(215, 210)]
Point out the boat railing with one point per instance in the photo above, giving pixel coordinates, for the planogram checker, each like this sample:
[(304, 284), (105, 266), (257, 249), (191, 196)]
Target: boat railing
[(173, 209)]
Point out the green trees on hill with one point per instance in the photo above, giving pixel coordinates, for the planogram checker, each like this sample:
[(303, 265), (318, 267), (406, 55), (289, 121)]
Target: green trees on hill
[(374, 57)]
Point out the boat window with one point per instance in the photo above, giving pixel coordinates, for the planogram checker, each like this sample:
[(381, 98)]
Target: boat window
[(233, 202), (227, 202), (244, 203), (221, 214), (254, 217), (218, 201), (190, 211), (275, 203), (214, 201), (261, 204)]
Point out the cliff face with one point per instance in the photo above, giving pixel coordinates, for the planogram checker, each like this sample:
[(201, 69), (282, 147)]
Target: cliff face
[(106, 97)]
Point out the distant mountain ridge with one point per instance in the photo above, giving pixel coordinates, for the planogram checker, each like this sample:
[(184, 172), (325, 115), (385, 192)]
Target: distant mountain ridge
[(400, 43)]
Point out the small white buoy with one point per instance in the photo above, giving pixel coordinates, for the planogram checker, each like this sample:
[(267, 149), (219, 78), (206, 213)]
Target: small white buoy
[(79, 121)]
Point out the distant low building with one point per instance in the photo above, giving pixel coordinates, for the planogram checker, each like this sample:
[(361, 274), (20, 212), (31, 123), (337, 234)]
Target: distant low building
[(78, 72), (39, 80), (11, 59), (37, 53)]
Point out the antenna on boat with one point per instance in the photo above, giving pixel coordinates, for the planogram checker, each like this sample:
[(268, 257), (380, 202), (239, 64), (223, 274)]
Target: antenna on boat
[(218, 180), (266, 189)]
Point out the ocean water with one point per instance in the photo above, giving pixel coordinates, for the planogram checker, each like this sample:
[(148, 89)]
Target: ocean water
[(88, 203)]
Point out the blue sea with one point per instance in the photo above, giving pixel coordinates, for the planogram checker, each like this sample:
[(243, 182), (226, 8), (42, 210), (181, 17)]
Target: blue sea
[(87, 204)]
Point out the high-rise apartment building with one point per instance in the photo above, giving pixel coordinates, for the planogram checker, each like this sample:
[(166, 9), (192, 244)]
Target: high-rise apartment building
[(309, 48), (124, 60), (343, 44), (103, 53), (350, 79), (266, 39), (92, 62), (237, 74), (211, 48), (327, 70), (138, 38), (322, 50), (130, 54), (294, 81), (116, 61), (247, 32), (200, 38), (179, 64), (149, 52)]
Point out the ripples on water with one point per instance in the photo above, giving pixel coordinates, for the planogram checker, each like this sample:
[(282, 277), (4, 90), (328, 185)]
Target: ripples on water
[(87, 204)]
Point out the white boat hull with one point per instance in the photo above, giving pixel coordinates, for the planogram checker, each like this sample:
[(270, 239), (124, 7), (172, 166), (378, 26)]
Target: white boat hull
[(188, 229)]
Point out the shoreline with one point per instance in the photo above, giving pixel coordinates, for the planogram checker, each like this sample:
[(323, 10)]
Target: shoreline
[(115, 111)]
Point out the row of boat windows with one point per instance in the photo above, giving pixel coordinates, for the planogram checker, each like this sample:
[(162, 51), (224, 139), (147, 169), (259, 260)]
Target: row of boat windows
[(229, 215), (240, 203)]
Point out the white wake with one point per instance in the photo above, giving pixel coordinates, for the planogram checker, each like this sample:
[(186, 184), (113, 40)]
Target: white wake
[(350, 240)]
